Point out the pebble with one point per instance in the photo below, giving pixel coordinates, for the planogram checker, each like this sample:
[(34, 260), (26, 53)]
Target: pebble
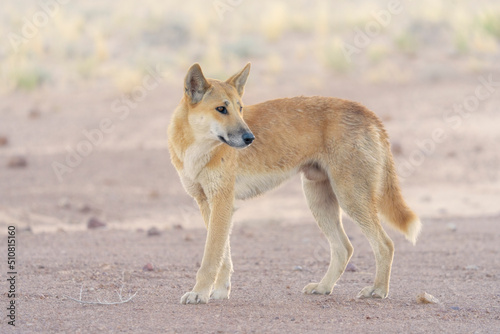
[(64, 203), (471, 267), (153, 231), (154, 194), (34, 113), (26, 229), (298, 268), (17, 162), (351, 267), (3, 141), (126, 276), (425, 298), (426, 199), (148, 267), (452, 227), (396, 148), (84, 208), (94, 223)]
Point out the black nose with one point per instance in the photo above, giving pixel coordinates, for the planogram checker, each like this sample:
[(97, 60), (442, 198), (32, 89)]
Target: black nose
[(248, 138)]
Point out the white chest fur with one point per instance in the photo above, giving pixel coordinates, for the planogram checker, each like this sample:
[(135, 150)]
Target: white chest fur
[(195, 158)]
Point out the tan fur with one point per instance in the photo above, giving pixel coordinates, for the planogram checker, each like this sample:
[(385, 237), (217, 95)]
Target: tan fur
[(340, 148)]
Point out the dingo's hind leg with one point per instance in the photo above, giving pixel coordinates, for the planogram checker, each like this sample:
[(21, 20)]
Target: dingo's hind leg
[(359, 202), (325, 208)]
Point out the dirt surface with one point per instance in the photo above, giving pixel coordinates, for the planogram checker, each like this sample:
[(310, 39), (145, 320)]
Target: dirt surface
[(128, 183), (272, 263)]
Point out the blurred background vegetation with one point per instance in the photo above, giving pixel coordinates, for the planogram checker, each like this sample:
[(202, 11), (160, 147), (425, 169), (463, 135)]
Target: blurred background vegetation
[(111, 43)]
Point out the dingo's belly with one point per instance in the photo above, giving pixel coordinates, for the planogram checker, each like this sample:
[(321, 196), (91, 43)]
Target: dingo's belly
[(251, 185)]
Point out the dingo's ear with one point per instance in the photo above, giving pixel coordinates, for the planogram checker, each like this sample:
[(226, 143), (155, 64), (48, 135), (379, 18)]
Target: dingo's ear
[(239, 79), (195, 84)]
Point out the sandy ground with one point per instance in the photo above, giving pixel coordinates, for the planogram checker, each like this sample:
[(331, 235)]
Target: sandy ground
[(128, 182), (272, 263)]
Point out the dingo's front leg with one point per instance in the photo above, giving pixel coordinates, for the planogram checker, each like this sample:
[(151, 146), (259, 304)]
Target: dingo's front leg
[(219, 228), (222, 286)]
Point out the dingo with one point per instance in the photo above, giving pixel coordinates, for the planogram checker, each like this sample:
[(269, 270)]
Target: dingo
[(339, 146)]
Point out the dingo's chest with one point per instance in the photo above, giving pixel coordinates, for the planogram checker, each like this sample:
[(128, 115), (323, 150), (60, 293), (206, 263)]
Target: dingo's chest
[(194, 159)]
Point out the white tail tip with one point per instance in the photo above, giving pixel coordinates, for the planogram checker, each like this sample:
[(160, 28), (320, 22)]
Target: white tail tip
[(414, 229)]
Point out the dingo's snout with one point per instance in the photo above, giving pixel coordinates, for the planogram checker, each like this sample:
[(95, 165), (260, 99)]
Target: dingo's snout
[(248, 138), (240, 139)]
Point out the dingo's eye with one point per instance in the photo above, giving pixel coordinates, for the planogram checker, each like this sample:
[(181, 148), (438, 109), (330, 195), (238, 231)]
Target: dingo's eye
[(222, 110), (241, 109)]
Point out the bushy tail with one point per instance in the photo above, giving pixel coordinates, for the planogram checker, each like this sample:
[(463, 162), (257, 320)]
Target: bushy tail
[(394, 209)]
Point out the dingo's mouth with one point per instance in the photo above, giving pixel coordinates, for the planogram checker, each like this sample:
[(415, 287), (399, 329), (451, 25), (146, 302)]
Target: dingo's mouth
[(244, 142), (223, 140)]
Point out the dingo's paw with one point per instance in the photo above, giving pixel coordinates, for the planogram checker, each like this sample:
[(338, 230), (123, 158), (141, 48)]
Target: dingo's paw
[(316, 289), (372, 292), (194, 298), (221, 293)]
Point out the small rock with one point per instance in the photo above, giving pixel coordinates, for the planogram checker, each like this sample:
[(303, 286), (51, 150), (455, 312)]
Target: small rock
[(109, 182), (442, 211), (94, 223), (153, 231), (426, 199), (471, 267), (148, 267), (34, 113), (188, 237), (3, 141), (456, 308), (105, 266), (247, 234), (126, 276), (351, 267), (396, 148), (17, 162), (178, 227), (386, 118), (84, 208), (425, 298), (298, 268), (64, 203), (154, 194), (452, 227), (27, 229)]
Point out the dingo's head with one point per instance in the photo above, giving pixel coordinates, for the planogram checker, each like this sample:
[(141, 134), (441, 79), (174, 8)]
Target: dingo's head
[(215, 108)]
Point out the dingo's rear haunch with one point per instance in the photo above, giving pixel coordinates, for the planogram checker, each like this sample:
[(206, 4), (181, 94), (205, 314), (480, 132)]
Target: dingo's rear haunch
[(224, 151)]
